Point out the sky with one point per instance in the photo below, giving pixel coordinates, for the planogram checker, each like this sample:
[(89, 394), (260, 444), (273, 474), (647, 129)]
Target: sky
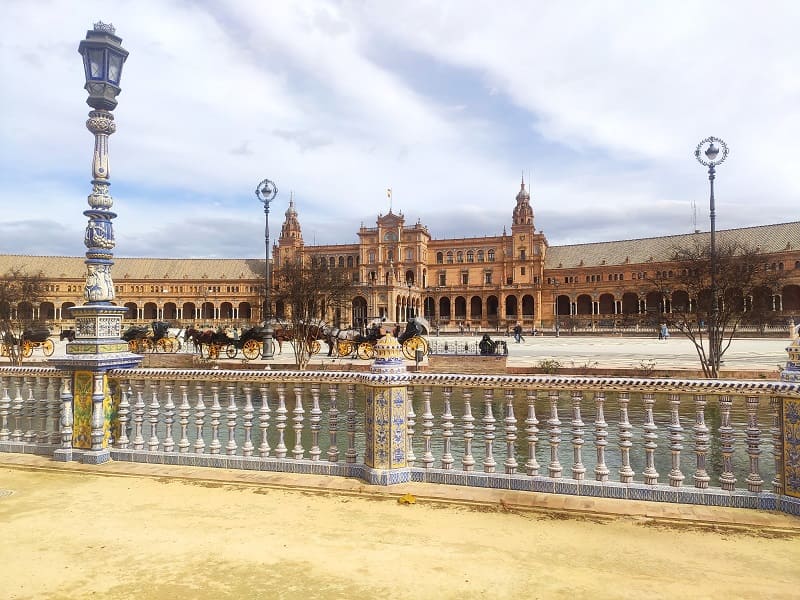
[(448, 103)]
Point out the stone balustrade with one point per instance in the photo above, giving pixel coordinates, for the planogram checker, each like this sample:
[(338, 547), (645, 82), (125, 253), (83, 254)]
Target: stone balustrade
[(690, 441)]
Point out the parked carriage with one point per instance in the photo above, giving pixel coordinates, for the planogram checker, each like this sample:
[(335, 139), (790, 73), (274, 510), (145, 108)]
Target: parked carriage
[(352, 343), (33, 338), (140, 339)]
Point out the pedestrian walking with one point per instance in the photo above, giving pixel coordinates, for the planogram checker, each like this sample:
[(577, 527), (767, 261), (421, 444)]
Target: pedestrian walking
[(518, 333), (663, 332)]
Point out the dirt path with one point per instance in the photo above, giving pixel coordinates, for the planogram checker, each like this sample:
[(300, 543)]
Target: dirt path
[(80, 535)]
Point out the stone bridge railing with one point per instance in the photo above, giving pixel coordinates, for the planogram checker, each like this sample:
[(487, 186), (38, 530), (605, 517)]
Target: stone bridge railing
[(726, 443)]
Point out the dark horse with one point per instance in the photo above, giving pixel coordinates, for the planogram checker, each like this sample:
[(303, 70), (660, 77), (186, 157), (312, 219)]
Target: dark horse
[(67, 334), (207, 338)]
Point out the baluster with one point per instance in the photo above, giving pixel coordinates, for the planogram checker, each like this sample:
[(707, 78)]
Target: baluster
[(199, 420), (138, 415), (216, 415), (701, 442), (333, 423), (183, 417), (124, 413), (351, 455), (263, 421), (280, 421), (169, 417), (66, 411), (249, 411), (44, 409), (468, 462), (650, 437), (554, 426), (55, 411), (314, 422), (447, 429), (726, 479), (5, 410), (625, 439), (30, 411), (675, 438), (298, 451), (754, 481), (601, 471), (427, 427), (531, 422), (777, 443), (16, 410), (578, 470), (152, 412), (510, 421), (231, 411), (489, 463), (410, 423)]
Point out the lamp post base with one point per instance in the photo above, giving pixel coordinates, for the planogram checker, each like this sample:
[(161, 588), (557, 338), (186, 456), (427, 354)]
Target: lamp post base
[(266, 349)]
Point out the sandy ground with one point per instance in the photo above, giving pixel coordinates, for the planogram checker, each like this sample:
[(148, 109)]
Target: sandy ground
[(73, 534)]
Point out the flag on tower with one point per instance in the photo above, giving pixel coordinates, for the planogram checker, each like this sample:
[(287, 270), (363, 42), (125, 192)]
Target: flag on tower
[(389, 195)]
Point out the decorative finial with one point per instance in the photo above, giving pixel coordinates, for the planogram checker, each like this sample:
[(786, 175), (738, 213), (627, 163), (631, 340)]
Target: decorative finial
[(105, 27), (523, 180)]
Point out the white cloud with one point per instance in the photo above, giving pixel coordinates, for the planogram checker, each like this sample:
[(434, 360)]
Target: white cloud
[(607, 100)]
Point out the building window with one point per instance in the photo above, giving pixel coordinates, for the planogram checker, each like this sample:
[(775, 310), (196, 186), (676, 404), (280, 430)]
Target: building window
[(349, 262), (442, 278), (341, 262), (372, 257), (522, 270), (460, 256), (470, 256), (390, 255), (439, 258), (464, 278), (332, 262), (449, 258), (487, 277), (480, 255), (491, 256), (522, 253), (409, 254)]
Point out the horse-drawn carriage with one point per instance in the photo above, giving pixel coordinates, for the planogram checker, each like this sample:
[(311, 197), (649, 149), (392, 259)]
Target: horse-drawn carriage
[(140, 339), (353, 343), (32, 338)]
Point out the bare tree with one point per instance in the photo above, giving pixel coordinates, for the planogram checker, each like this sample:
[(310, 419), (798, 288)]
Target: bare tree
[(19, 292), (309, 294), (744, 287)]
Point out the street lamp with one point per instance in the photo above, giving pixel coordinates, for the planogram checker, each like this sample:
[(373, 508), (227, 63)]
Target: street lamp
[(266, 192), (711, 160), (98, 322)]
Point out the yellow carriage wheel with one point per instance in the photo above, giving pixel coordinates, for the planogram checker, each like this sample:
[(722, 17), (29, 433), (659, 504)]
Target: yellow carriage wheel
[(411, 345), (344, 348), (27, 349), (49, 347), (251, 349), (314, 347), (366, 351), (164, 345)]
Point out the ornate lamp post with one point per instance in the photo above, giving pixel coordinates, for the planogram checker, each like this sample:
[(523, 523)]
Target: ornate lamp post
[(409, 310), (98, 323), (266, 192), (712, 146)]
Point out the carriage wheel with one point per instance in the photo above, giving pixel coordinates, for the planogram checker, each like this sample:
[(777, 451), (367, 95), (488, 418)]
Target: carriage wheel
[(366, 351), (344, 348), (213, 351), (164, 345), (176, 344), (49, 347), (231, 351), (411, 345), (314, 347), (27, 349), (131, 345), (3, 349), (251, 349)]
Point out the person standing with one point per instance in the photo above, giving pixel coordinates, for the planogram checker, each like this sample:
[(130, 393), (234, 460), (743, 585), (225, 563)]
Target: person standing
[(517, 333)]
